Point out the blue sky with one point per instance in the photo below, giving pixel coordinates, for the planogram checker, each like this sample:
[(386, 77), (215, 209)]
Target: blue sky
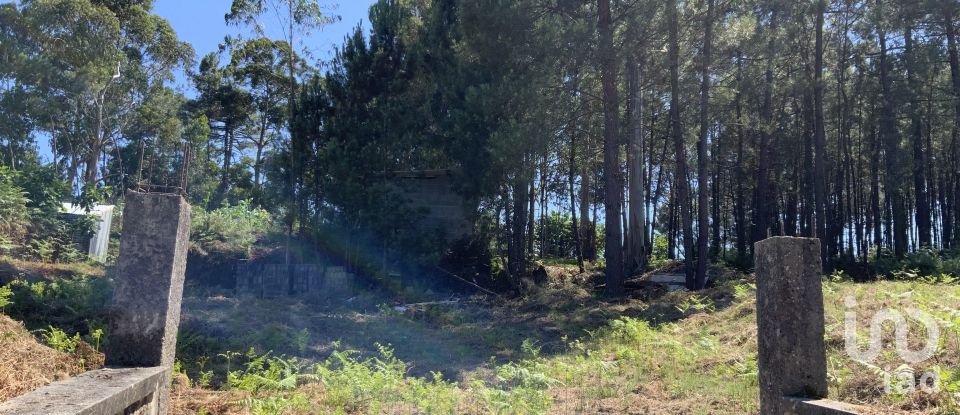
[(200, 23)]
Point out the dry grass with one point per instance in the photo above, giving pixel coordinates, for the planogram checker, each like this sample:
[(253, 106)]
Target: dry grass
[(26, 365), (186, 399), (11, 268)]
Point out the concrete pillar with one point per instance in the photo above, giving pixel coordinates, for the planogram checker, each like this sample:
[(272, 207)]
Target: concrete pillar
[(790, 326), (148, 287)]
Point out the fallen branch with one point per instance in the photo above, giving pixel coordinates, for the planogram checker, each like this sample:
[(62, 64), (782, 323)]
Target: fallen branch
[(446, 302), (469, 282)]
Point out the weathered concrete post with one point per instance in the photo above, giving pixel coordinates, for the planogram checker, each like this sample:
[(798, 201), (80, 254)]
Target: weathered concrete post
[(149, 284), (790, 324)]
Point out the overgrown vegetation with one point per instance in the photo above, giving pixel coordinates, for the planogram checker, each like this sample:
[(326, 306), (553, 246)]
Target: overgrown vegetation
[(839, 119), (679, 353), (31, 226), (230, 228), (77, 306)]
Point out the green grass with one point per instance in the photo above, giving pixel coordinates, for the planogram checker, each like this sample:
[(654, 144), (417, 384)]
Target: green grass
[(565, 350)]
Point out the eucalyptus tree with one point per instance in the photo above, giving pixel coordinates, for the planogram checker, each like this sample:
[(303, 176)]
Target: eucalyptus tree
[(85, 67), (293, 20)]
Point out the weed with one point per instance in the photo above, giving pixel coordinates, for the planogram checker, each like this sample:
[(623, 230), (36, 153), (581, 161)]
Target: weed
[(96, 335), (5, 294), (697, 303), (59, 340), (302, 340)]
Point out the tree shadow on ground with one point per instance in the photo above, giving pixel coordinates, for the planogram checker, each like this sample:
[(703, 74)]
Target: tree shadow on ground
[(456, 339)]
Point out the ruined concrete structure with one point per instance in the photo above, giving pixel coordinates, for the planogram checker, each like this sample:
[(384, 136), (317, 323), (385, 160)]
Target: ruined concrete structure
[(145, 316), (791, 355), (313, 281)]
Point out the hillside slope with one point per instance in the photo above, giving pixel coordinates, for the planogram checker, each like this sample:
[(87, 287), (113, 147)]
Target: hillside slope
[(26, 364)]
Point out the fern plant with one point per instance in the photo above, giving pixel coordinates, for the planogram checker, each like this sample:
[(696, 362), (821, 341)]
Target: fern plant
[(5, 294)]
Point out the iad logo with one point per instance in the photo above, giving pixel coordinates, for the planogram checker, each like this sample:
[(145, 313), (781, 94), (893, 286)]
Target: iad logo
[(902, 380)]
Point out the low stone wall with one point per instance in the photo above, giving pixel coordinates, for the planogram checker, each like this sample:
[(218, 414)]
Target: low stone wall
[(314, 281), (101, 392)]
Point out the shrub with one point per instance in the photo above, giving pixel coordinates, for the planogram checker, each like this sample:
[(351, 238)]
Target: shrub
[(925, 261), (30, 221), (659, 255), (558, 228), (230, 228), (75, 305), (883, 261), (5, 294), (60, 340), (951, 266)]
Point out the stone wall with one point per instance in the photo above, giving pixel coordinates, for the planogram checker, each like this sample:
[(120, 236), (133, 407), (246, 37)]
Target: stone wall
[(315, 281)]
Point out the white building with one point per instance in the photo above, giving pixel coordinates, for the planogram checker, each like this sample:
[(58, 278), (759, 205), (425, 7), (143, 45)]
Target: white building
[(103, 218)]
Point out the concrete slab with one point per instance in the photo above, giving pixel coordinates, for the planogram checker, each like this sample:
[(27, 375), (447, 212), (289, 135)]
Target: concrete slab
[(104, 391)]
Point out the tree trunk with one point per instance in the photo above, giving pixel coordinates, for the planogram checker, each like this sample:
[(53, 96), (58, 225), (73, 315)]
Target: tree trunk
[(91, 163), (588, 234), (531, 220), (762, 198), (819, 139), (890, 136), (680, 152), (921, 204), (517, 260), (571, 178), (613, 251), (740, 208), (637, 251), (703, 198), (953, 216)]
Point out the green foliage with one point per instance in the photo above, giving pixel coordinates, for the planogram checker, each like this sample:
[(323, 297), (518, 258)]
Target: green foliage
[(230, 228), (78, 305), (696, 303), (925, 260), (659, 255), (5, 294), (924, 263), (558, 228), (350, 384), (96, 335), (59, 340), (14, 216), (523, 387), (81, 63), (30, 223)]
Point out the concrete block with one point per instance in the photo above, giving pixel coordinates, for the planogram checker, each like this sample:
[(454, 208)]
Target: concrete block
[(790, 322), (148, 289), (99, 392)]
